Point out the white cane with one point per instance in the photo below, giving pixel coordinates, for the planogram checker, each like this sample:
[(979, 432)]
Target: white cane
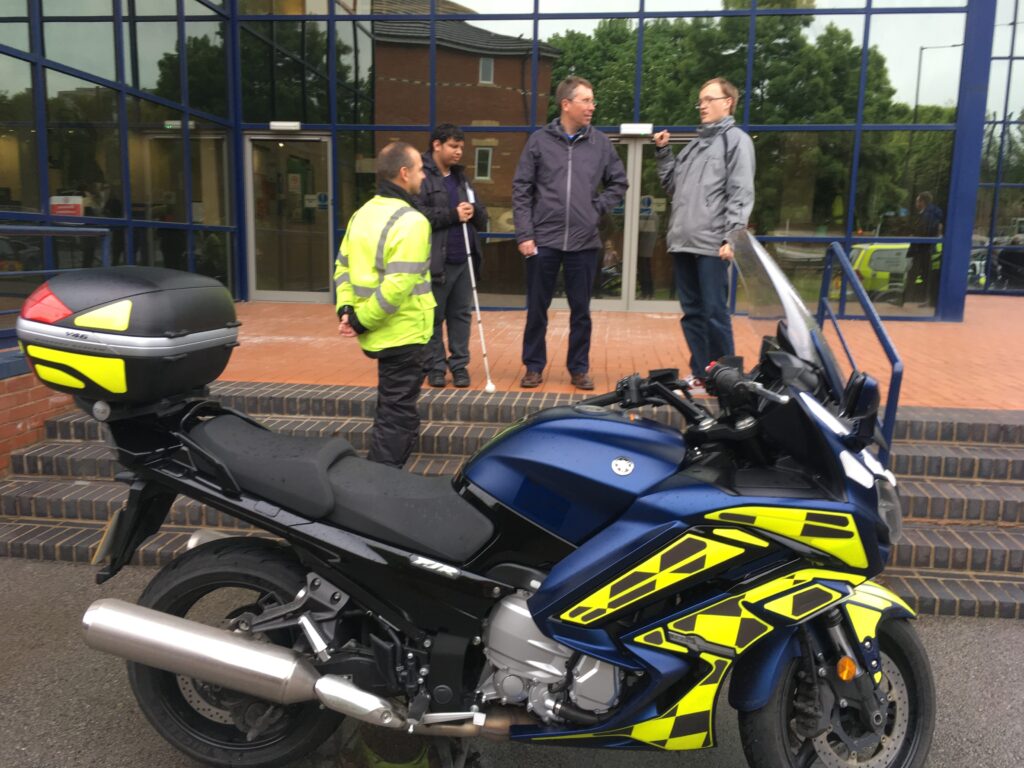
[(490, 388)]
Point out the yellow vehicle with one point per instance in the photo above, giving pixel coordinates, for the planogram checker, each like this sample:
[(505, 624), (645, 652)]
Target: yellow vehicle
[(881, 269)]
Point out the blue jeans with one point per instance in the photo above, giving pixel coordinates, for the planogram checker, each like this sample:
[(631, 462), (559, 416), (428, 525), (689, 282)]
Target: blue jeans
[(541, 275), (702, 283)]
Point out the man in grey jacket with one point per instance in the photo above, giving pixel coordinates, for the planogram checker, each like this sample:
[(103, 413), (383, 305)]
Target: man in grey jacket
[(711, 183), (558, 202)]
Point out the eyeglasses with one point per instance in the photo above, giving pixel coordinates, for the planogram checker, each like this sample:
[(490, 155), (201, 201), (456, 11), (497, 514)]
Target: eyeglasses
[(586, 102), (708, 99)]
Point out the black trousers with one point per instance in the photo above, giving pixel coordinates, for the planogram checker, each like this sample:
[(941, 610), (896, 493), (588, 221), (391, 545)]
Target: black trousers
[(580, 268), (396, 424)]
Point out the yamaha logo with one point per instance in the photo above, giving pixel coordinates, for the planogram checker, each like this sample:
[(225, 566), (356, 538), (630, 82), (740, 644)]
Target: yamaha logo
[(622, 466), (432, 565)]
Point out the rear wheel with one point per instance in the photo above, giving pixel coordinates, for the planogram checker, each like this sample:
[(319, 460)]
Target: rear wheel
[(213, 584), (770, 739)]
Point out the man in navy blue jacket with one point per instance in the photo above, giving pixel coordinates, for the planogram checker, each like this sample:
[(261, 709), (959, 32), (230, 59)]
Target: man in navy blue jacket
[(443, 199), (568, 177)]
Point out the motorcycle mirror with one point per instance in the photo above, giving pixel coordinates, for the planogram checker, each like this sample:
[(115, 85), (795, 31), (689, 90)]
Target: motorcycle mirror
[(663, 375)]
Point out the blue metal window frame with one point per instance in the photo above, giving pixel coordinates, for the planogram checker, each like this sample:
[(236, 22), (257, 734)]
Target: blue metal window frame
[(968, 128)]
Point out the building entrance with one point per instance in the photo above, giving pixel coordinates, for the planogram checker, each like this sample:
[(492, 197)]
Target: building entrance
[(288, 213)]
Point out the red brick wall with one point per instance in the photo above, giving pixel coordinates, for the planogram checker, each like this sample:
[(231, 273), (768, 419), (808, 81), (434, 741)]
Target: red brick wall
[(25, 404)]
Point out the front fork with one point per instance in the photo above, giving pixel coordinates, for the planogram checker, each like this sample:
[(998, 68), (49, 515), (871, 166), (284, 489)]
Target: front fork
[(841, 674)]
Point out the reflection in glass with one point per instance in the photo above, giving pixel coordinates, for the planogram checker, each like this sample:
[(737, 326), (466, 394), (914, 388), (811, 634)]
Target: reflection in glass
[(354, 72), (18, 253), (895, 167), (63, 43), (653, 6), (803, 264), (207, 66), (654, 276), (488, 6), (1015, 108), (602, 51), (78, 8), (676, 64), (291, 225), (14, 34), (84, 151), (156, 163), (463, 96), (211, 172), (153, 58), (802, 183), (998, 75), (163, 247), (284, 71), (806, 69), (212, 253), (356, 172), (916, 60), (502, 281), (609, 278), (1010, 217), (152, 7), (284, 7), (1013, 154), (573, 6), (400, 72), (19, 186)]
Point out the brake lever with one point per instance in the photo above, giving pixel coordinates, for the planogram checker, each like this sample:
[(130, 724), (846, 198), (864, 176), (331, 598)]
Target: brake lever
[(763, 392)]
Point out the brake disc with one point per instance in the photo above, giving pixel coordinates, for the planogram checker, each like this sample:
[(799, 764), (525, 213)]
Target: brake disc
[(834, 753)]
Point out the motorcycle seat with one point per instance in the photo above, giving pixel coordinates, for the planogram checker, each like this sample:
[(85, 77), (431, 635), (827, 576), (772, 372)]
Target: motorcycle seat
[(287, 470), (324, 479)]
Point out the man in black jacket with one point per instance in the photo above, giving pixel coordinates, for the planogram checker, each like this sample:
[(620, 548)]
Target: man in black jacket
[(568, 177), (444, 200)]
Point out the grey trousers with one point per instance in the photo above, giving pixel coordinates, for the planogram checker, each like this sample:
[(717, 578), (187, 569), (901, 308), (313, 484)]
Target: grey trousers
[(454, 308)]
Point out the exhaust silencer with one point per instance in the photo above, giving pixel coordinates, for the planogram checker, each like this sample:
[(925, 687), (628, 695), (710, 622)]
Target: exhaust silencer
[(224, 658)]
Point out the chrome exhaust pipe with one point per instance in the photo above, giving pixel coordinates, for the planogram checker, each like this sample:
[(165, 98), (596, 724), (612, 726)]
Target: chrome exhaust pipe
[(224, 658)]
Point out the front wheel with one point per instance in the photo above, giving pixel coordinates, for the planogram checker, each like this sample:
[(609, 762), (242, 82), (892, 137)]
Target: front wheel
[(770, 739), (212, 584)]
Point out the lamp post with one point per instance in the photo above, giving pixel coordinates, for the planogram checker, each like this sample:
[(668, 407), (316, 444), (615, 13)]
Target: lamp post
[(917, 94)]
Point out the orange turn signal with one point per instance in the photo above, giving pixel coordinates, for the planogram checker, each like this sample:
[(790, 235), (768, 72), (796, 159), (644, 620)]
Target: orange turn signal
[(846, 669)]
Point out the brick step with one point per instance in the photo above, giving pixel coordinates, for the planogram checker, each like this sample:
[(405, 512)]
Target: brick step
[(96, 461), (439, 438), (95, 500), (960, 425), (971, 462), (951, 593), (977, 549), (75, 541), (449, 404), (962, 502)]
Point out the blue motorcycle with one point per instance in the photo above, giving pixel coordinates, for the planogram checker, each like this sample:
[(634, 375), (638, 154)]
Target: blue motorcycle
[(588, 579)]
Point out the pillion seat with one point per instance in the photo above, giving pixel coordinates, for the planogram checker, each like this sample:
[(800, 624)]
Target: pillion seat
[(323, 479)]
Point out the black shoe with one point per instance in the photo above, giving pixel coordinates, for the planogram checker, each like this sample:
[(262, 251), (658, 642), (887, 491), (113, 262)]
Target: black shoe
[(460, 378), (435, 379), (531, 379)]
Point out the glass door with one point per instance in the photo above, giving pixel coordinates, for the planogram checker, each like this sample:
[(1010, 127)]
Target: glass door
[(288, 205)]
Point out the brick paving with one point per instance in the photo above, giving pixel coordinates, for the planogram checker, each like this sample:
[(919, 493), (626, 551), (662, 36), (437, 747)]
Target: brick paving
[(977, 364)]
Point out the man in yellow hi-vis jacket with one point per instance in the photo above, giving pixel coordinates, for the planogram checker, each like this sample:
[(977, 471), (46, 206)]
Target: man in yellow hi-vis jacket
[(382, 277)]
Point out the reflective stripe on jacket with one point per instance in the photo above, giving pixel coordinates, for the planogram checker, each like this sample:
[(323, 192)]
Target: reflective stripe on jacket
[(383, 272)]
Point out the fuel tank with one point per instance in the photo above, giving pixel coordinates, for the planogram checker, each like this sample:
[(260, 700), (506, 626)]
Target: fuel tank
[(573, 469)]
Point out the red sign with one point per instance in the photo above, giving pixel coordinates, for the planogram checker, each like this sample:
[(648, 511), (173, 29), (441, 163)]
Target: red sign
[(66, 205)]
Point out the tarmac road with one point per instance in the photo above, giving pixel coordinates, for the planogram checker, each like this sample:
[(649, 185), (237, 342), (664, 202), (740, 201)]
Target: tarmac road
[(63, 705)]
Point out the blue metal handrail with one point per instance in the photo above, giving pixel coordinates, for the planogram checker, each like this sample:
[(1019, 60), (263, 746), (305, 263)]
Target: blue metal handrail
[(887, 425), (21, 229)]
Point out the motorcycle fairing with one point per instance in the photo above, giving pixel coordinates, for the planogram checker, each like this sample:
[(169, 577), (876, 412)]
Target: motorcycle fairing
[(865, 610), (834, 533), (684, 558)]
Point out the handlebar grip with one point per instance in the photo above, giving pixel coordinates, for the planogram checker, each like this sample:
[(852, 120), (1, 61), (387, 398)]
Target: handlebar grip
[(609, 398)]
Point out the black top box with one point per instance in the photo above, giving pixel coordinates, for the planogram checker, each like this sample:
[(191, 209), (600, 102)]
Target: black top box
[(131, 335)]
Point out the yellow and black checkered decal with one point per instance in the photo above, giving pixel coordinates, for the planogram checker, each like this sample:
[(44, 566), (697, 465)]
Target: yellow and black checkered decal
[(684, 558), (689, 724), (107, 372), (832, 532), (731, 624), (865, 609)]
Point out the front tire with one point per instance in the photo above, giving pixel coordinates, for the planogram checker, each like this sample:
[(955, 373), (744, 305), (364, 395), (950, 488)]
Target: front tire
[(770, 740), (210, 584)]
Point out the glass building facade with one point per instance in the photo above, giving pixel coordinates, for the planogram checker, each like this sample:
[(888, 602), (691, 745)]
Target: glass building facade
[(235, 138)]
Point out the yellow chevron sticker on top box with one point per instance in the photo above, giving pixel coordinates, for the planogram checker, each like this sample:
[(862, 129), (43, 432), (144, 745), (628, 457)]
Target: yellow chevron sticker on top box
[(684, 558), (108, 372), (112, 317), (832, 532)]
